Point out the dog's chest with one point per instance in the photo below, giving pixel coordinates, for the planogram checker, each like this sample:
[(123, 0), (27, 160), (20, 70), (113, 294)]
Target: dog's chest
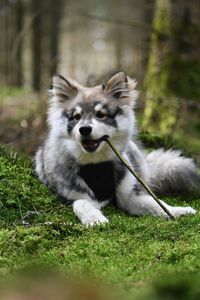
[(100, 178)]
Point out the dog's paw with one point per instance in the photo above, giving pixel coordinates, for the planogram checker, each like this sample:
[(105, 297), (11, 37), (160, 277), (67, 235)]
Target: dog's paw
[(95, 219), (88, 214), (181, 211)]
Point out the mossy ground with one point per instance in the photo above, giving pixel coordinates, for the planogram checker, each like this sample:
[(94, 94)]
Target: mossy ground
[(128, 251)]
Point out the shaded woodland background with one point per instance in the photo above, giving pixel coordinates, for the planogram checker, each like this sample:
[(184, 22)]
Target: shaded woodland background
[(155, 41)]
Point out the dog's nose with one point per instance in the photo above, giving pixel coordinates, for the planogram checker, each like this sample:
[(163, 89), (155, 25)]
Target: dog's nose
[(85, 130)]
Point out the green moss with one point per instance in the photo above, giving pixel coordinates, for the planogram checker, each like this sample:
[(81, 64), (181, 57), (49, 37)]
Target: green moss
[(182, 140), (156, 140), (126, 251)]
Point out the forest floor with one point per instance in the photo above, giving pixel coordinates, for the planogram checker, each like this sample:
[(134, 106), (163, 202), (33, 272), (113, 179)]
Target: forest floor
[(128, 252)]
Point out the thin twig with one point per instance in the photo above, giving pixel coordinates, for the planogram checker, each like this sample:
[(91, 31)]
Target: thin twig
[(138, 178)]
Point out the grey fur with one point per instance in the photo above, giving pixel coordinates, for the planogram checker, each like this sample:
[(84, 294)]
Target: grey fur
[(172, 172)]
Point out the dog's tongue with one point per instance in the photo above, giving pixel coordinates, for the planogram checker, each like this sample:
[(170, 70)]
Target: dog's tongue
[(90, 145)]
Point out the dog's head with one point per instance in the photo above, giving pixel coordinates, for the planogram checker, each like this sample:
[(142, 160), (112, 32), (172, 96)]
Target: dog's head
[(85, 115)]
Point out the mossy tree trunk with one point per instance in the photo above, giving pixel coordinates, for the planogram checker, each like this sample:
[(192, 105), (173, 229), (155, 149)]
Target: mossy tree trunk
[(174, 68), (161, 105)]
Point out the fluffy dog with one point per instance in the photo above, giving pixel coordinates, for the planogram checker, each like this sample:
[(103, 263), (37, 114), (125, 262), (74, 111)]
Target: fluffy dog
[(83, 170)]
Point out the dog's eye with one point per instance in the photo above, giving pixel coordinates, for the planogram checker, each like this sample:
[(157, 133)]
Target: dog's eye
[(100, 114), (76, 116)]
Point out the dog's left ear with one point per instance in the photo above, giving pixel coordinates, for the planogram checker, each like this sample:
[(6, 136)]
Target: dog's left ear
[(120, 86), (63, 89)]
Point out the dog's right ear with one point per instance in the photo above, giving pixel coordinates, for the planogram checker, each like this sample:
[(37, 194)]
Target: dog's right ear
[(63, 89)]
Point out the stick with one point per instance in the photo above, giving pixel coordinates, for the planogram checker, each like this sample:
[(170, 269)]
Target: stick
[(138, 177)]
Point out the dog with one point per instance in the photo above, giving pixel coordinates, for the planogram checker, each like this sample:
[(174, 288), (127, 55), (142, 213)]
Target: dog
[(84, 171)]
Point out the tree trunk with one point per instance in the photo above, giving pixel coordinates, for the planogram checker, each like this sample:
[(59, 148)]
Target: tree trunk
[(18, 69), (36, 44), (55, 14), (161, 105), (173, 68), (6, 46)]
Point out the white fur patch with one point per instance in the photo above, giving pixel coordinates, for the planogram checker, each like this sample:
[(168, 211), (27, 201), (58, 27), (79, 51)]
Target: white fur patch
[(87, 213), (98, 107), (125, 188), (146, 205), (78, 110)]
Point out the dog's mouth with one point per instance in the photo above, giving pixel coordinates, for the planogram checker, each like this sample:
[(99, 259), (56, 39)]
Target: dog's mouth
[(91, 145)]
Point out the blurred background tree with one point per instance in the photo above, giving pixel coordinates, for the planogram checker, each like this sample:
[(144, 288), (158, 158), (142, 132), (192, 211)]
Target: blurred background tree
[(156, 41), (173, 69)]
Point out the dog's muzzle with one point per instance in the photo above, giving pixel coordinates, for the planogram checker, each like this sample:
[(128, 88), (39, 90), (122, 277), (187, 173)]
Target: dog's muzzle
[(91, 145)]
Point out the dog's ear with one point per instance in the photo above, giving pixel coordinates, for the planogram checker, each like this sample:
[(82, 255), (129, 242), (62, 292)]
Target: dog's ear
[(116, 84), (63, 89), (122, 87)]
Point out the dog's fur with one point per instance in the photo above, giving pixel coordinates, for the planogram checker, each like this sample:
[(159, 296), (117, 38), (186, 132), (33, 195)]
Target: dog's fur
[(86, 172)]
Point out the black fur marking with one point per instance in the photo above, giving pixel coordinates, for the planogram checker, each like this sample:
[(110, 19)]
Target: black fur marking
[(65, 201), (63, 78), (62, 96), (114, 113), (110, 116), (82, 190), (64, 114), (71, 125), (183, 183), (137, 189), (120, 171), (117, 95), (100, 178), (68, 83), (109, 121), (73, 185), (134, 163)]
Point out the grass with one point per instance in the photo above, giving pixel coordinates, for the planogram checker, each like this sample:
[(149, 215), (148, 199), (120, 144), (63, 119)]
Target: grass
[(128, 251)]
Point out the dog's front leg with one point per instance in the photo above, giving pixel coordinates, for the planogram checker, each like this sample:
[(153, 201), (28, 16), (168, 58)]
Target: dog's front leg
[(132, 198), (85, 205)]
